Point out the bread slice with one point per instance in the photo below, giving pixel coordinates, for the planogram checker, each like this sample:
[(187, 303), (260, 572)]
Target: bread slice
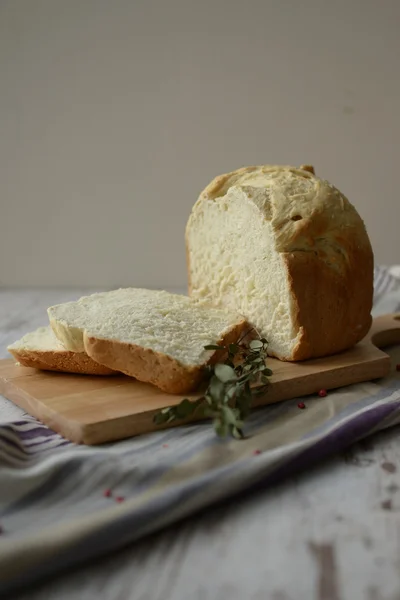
[(152, 335), (41, 349), (288, 251)]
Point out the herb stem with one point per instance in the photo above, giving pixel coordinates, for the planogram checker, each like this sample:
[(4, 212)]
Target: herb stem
[(229, 395)]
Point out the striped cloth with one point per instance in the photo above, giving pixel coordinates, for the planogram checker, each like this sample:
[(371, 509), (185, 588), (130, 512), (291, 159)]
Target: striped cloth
[(61, 504)]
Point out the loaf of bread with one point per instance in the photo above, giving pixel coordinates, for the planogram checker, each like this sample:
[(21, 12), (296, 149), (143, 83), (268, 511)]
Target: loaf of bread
[(41, 349), (152, 335), (289, 252)]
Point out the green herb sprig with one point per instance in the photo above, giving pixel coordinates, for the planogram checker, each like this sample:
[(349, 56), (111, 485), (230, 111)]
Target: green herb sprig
[(232, 385)]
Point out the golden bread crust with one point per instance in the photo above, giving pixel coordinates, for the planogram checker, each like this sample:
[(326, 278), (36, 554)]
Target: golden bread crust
[(332, 311), (153, 367), (64, 361)]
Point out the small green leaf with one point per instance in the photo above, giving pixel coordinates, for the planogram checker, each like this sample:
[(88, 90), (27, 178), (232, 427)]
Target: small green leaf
[(199, 403), (231, 391), (243, 405), (220, 428), (257, 360), (160, 418), (256, 344), (201, 408), (207, 412), (264, 341), (259, 369), (230, 415), (216, 388), (224, 372), (185, 408), (237, 433), (213, 347)]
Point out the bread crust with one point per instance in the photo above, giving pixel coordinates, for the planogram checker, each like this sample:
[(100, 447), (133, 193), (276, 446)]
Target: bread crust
[(326, 252), (153, 367), (63, 361), (332, 312)]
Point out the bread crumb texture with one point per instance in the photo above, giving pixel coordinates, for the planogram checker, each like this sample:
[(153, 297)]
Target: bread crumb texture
[(169, 324)]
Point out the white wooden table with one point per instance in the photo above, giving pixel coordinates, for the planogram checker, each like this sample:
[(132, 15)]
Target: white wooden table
[(332, 533)]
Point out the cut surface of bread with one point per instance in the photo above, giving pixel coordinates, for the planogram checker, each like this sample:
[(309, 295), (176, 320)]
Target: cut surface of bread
[(40, 349), (288, 251), (152, 335)]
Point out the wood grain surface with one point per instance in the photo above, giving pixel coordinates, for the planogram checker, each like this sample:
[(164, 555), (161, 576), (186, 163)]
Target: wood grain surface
[(92, 409)]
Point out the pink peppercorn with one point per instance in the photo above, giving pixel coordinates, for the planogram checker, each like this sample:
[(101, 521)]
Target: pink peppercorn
[(301, 405), (255, 452), (322, 393), (165, 445), (107, 493), (119, 499)]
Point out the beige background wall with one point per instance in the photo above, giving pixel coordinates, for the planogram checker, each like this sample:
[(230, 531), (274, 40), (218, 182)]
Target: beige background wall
[(115, 114)]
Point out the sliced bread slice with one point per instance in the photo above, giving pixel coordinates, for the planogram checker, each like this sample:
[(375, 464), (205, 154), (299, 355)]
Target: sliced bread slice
[(41, 349), (152, 335)]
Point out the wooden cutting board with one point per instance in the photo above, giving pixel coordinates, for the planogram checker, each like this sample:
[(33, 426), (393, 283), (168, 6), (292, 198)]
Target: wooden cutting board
[(93, 410)]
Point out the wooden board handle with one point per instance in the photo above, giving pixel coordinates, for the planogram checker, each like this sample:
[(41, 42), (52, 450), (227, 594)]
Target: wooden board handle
[(385, 330)]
